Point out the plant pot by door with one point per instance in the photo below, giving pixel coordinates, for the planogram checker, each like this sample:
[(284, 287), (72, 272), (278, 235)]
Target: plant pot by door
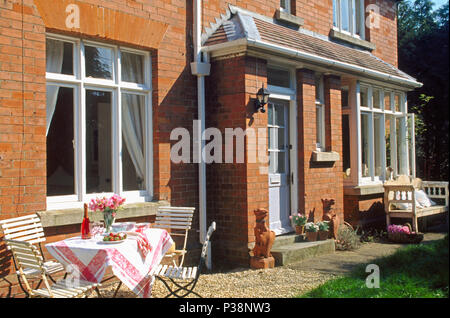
[(300, 229), (311, 236), (323, 235)]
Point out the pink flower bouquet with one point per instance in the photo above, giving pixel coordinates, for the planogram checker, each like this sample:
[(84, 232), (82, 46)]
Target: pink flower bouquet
[(109, 208)]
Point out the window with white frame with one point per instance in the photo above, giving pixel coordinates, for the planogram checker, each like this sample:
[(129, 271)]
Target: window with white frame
[(320, 113), (385, 134), (285, 6), (348, 17), (98, 121)]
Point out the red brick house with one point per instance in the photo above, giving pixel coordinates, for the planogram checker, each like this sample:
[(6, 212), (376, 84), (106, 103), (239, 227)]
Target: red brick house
[(91, 91)]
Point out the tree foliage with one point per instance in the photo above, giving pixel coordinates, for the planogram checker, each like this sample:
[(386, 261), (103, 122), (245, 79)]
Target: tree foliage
[(423, 37)]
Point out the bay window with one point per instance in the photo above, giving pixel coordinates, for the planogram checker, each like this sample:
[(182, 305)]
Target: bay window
[(380, 135), (348, 17), (99, 137)]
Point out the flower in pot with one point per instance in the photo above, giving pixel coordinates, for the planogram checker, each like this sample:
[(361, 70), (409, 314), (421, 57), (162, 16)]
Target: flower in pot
[(109, 208), (323, 230), (299, 221), (311, 231)]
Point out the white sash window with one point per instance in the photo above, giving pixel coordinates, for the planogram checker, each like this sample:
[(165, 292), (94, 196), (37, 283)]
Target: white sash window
[(99, 131)]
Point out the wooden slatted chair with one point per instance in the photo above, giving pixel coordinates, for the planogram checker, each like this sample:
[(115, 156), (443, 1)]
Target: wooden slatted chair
[(183, 279), (28, 257), (29, 229), (177, 221)]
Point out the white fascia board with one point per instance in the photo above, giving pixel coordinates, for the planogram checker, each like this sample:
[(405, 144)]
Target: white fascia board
[(303, 56)]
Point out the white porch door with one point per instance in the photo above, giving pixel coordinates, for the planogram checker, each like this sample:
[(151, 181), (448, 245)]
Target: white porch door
[(279, 182)]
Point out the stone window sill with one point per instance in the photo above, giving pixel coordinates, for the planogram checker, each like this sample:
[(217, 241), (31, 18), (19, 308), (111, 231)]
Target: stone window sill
[(289, 18), (352, 40), (75, 216), (323, 156), (364, 189)]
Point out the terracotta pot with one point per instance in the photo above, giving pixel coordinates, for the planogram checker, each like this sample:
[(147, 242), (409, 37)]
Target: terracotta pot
[(299, 229), (311, 236), (323, 235)]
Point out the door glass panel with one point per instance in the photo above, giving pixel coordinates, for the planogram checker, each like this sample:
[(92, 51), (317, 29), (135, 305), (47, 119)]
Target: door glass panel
[(98, 142), (281, 162), (133, 135), (281, 139), (270, 114), (273, 166), (279, 115), (60, 141), (99, 62)]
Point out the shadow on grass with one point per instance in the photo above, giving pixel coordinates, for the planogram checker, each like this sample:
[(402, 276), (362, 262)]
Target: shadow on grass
[(419, 271)]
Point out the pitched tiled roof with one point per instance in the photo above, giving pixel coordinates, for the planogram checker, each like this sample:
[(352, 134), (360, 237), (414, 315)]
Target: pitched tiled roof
[(246, 26)]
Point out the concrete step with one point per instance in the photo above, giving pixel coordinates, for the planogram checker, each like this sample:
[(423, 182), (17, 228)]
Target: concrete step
[(287, 239), (288, 252)]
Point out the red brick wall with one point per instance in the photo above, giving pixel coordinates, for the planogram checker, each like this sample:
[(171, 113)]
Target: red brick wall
[(385, 36), (236, 190), (22, 109), (324, 180)]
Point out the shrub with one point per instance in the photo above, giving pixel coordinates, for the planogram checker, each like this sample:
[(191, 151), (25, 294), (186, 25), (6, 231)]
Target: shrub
[(347, 238)]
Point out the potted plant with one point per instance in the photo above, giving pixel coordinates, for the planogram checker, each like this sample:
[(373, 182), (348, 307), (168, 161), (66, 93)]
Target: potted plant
[(299, 221), (109, 208), (311, 231), (403, 234), (323, 230)]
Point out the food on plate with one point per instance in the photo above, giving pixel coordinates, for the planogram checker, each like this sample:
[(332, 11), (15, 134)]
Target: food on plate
[(115, 237)]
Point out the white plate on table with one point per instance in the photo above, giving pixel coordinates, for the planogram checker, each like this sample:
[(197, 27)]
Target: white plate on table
[(111, 242)]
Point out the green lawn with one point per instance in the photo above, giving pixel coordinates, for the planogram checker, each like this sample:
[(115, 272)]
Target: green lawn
[(419, 271)]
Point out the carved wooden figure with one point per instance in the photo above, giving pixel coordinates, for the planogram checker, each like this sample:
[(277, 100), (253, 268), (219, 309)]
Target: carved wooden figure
[(263, 236), (330, 215)]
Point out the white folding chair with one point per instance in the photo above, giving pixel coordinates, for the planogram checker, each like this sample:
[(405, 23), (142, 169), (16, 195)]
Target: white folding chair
[(181, 281), (28, 257), (29, 229), (177, 221)]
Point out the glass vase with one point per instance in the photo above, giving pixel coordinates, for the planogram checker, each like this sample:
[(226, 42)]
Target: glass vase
[(109, 220)]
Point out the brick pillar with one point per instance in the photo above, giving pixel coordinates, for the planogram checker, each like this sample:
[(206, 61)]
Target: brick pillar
[(319, 180), (235, 190)]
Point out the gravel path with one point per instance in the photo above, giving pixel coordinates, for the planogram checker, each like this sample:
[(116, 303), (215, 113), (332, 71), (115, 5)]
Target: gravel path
[(279, 282)]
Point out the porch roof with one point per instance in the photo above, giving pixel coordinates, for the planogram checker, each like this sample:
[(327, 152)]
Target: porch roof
[(243, 28)]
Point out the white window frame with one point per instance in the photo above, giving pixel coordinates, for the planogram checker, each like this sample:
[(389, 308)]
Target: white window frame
[(287, 7), (320, 108), (80, 83), (382, 113), (352, 18)]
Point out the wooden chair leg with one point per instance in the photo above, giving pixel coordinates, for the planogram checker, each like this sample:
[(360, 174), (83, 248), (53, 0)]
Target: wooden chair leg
[(415, 225)]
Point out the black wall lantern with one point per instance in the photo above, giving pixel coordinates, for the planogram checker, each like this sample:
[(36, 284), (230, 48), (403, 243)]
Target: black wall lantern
[(262, 98)]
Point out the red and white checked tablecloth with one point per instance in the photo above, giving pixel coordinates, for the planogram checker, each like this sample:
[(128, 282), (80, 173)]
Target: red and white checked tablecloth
[(92, 257)]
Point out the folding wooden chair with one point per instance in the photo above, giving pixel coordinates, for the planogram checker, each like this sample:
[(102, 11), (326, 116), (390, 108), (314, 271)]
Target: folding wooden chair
[(29, 229), (177, 221), (29, 257), (183, 279)]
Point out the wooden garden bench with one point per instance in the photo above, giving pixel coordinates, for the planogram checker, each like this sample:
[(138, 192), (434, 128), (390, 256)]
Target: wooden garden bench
[(402, 191)]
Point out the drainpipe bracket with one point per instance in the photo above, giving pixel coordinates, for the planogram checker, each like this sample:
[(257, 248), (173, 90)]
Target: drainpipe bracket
[(200, 68)]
